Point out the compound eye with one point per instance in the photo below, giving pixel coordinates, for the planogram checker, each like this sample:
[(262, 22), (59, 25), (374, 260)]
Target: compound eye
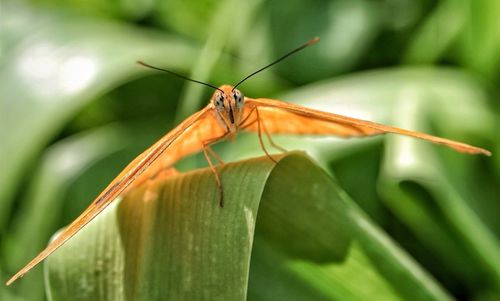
[(219, 101), (238, 97)]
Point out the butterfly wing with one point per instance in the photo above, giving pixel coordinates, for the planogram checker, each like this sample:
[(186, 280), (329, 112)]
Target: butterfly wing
[(286, 118), (189, 142), (183, 140)]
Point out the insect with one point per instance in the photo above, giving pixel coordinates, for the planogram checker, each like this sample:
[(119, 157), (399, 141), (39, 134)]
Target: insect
[(228, 113)]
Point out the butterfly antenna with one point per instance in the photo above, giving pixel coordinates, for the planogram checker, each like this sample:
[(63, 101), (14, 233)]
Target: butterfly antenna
[(316, 39), (178, 75)]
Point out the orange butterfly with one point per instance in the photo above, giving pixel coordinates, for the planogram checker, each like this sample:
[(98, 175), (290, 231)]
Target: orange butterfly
[(227, 113)]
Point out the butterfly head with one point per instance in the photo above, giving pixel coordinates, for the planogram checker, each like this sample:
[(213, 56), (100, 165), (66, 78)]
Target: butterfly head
[(228, 103)]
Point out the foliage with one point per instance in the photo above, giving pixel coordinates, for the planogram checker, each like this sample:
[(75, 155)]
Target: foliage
[(75, 108)]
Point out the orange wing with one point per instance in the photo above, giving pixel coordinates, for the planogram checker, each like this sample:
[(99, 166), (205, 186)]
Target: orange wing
[(281, 117), (183, 140)]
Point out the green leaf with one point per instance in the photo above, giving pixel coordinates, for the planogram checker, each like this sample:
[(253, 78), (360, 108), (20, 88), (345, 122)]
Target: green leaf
[(47, 199), (169, 239)]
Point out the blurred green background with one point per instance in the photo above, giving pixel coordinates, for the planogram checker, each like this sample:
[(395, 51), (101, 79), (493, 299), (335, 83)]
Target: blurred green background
[(75, 108)]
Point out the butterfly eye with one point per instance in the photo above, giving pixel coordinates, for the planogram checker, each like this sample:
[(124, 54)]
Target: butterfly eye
[(219, 101), (238, 97)]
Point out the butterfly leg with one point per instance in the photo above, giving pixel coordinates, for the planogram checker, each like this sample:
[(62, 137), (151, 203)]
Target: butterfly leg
[(206, 150), (216, 174), (259, 133), (214, 154), (271, 140), (244, 124), (250, 123)]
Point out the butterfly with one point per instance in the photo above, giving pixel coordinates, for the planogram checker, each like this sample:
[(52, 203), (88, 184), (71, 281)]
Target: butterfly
[(228, 113)]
